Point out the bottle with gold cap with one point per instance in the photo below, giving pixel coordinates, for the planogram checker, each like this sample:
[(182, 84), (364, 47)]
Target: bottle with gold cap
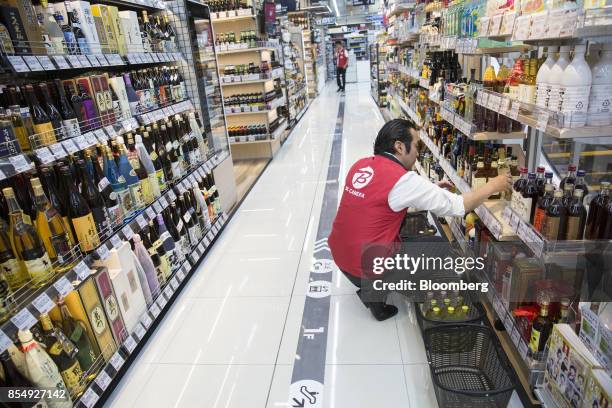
[(51, 229), (10, 267), (63, 353), (77, 333), (27, 246)]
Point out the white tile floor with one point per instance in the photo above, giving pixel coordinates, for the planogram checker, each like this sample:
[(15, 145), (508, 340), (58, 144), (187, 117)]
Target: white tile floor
[(229, 341)]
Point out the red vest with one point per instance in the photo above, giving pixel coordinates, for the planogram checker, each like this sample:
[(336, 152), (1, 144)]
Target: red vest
[(364, 215), (342, 58)]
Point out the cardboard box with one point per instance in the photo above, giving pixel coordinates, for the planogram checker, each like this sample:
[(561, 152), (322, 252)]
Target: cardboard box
[(599, 390), (28, 24), (111, 306), (11, 19), (104, 25), (82, 9), (117, 29), (131, 31)]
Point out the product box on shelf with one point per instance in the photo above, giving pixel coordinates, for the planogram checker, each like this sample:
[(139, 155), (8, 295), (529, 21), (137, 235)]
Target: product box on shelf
[(22, 22), (82, 9), (518, 282), (111, 305), (131, 31), (106, 35), (115, 23), (568, 367), (596, 336), (11, 18), (599, 390)]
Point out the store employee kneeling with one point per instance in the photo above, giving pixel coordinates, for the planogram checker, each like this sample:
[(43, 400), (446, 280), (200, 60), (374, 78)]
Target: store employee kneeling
[(377, 192)]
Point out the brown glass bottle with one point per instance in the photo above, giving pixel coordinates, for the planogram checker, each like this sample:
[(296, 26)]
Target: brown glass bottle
[(540, 330), (597, 211), (554, 227), (539, 217), (529, 196), (576, 216)]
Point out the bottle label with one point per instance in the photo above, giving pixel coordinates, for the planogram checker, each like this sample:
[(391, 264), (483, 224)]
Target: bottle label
[(554, 101), (176, 169), (147, 191), (534, 341), (574, 230), (61, 246), (45, 133), (154, 185), (478, 182), (71, 127), (72, 378), (529, 94), (574, 104), (125, 199), (538, 218), (13, 273), (599, 113), (103, 183), (551, 228), (101, 219), (513, 92), (115, 214), (161, 180), (96, 317), (39, 269), (524, 207), (86, 232), (137, 197), (542, 95)]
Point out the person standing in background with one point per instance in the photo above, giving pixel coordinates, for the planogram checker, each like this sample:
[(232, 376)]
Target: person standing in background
[(341, 65)]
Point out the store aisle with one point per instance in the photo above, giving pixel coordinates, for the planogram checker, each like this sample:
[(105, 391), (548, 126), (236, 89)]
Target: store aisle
[(230, 339)]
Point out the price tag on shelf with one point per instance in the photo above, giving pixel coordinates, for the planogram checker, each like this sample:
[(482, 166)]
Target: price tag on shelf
[(542, 121), (504, 105), (150, 213), (513, 114), (507, 26), (174, 283), (210, 236), (155, 310), (181, 274), (74, 61), (128, 232), (33, 63), (157, 207), (82, 270), (516, 337), (508, 322), (43, 303), (90, 138), (117, 361), (60, 61), (163, 202), (499, 307), (129, 344), (24, 319), (83, 61), (102, 60), (494, 102), (215, 229), (103, 252), (206, 242), (172, 195), (140, 220), (168, 291), (127, 125), (20, 163), (140, 331), (89, 398), (95, 136), (58, 151), (523, 230), (514, 221), (63, 286), (146, 320), (162, 302), (70, 147), (103, 380), (110, 131), (18, 63), (522, 27), (93, 61), (80, 142), (5, 341), (116, 241), (522, 348), (46, 63), (44, 155)]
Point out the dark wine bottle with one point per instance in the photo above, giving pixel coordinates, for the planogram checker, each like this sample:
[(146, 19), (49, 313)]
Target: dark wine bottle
[(95, 201), (576, 216)]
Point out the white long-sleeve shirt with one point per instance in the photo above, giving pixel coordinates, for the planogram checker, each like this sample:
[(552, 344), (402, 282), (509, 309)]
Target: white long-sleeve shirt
[(413, 191)]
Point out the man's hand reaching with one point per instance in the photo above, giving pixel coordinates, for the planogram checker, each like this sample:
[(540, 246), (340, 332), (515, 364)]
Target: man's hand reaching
[(445, 184)]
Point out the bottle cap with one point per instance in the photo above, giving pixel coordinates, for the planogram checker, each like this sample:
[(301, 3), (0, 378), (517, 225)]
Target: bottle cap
[(24, 336), (581, 173), (548, 174), (578, 193), (572, 167), (8, 192), (531, 176), (523, 170), (540, 169), (605, 184)]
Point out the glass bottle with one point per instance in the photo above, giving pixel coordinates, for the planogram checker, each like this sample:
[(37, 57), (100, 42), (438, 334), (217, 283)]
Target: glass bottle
[(57, 200), (164, 256), (77, 333), (570, 177), (517, 189), (168, 243), (543, 202), (40, 120), (148, 166), (11, 273), (529, 195), (581, 183), (111, 199), (118, 183), (54, 116), (540, 180), (597, 210), (70, 122), (26, 245), (554, 227), (132, 181), (80, 214), (576, 216), (52, 230), (479, 178), (95, 201), (162, 268), (540, 329)]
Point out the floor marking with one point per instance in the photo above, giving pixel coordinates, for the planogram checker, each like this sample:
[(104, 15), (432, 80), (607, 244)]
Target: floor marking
[(307, 380)]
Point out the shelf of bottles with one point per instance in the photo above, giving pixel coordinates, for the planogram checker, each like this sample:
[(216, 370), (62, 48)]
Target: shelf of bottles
[(294, 75), (107, 185), (378, 80)]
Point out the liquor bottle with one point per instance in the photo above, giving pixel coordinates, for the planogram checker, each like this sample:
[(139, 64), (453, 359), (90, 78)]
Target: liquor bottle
[(70, 123), (564, 311), (132, 181), (479, 178), (19, 127), (528, 198), (77, 333), (554, 81), (542, 85), (147, 263), (63, 353), (540, 180), (581, 183), (52, 230), (599, 113), (597, 210), (149, 166), (13, 378), (190, 222), (556, 214), (517, 188), (504, 168), (539, 217), (57, 201), (42, 124), (74, 22), (118, 183), (40, 369), (111, 199), (158, 247), (570, 177), (540, 329), (568, 192), (175, 234), (10, 269), (94, 199), (162, 268), (181, 226), (576, 216), (575, 88), (54, 116), (55, 36), (72, 47), (168, 243), (26, 246), (81, 215)]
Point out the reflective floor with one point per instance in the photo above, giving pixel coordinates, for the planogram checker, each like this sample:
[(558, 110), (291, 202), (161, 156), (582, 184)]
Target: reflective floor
[(231, 337)]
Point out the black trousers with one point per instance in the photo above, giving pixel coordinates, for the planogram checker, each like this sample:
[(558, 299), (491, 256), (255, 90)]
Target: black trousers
[(368, 293), (341, 77)]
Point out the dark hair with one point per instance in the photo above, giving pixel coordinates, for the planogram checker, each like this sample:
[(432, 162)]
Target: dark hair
[(392, 131), (338, 42)]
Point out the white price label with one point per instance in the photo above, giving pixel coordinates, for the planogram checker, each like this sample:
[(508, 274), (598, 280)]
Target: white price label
[(103, 252), (82, 270), (168, 291), (508, 322), (522, 28), (141, 221), (140, 331), (116, 241), (46, 63), (504, 105), (162, 302), (513, 114), (206, 242), (44, 155), (80, 142), (24, 319), (146, 320), (74, 61), (128, 232), (523, 349), (18, 63), (155, 310), (110, 131), (60, 61), (163, 202), (150, 213), (174, 283), (89, 398), (499, 308), (542, 121), (127, 125), (20, 163), (33, 63), (58, 151), (91, 139), (97, 135), (5, 341), (157, 207), (117, 361), (129, 344), (102, 60), (83, 60), (63, 286), (93, 61), (103, 380), (70, 147), (516, 336), (180, 274), (43, 303), (172, 195)]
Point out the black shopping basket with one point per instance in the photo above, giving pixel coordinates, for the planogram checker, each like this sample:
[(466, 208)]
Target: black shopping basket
[(475, 314), (468, 367)]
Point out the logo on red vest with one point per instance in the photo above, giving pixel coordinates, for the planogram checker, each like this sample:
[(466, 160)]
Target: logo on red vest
[(362, 177)]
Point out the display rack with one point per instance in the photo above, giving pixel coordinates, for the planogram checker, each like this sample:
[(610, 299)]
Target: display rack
[(421, 36), (378, 79), (297, 91)]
